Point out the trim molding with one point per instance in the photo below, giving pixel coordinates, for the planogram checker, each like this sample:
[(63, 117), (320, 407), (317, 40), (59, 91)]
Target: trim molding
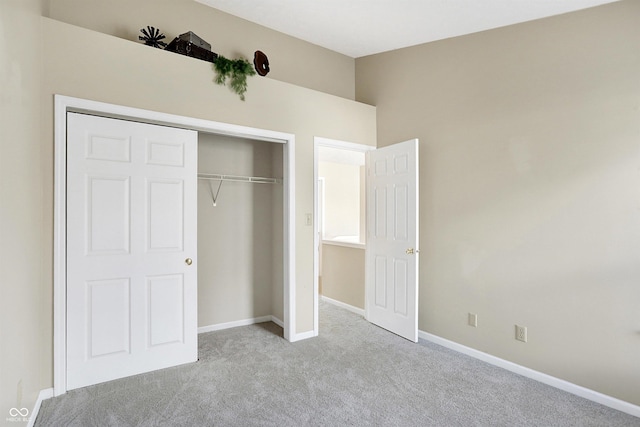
[(304, 335), (262, 319), (558, 383), (277, 321), (45, 394), (236, 323), (351, 308), (345, 244)]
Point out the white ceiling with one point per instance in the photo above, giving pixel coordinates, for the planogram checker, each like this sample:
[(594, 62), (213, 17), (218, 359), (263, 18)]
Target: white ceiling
[(363, 27)]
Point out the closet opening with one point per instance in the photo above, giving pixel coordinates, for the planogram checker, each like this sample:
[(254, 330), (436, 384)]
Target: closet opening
[(262, 231), (240, 231)]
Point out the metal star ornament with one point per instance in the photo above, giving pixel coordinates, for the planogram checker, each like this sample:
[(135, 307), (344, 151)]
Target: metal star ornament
[(152, 37)]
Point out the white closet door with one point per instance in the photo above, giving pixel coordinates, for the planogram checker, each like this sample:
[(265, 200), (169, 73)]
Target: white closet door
[(131, 248)]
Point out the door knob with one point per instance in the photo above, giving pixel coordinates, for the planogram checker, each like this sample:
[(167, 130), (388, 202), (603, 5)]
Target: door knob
[(188, 261), (411, 251)]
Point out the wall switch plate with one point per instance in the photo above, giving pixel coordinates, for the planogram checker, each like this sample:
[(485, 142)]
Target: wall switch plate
[(521, 333), (473, 320), (309, 219)]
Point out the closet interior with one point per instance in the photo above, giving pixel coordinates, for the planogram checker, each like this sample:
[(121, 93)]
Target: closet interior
[(240, 229)]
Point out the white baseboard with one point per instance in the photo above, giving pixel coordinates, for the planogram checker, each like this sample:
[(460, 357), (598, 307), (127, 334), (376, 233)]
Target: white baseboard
[(45, 394), (303, 336), (235, 324), (277, 321), (584, 392), (341, 304)]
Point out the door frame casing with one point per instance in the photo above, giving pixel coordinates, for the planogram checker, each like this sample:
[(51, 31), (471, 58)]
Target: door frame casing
[(332, 143), (64, 104)]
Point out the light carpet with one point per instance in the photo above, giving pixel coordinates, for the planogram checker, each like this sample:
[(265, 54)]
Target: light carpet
[(353, 374)]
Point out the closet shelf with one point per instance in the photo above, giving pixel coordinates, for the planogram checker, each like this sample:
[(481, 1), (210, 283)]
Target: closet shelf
[(239, 178)]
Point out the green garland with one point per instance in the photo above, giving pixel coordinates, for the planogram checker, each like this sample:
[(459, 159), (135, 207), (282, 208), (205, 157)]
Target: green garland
[(236, 70)]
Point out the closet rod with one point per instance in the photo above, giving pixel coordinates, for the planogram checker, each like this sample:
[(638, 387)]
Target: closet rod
[(239, 178)]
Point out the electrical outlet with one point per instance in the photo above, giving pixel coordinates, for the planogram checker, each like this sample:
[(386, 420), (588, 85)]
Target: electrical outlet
[(521, 333), (473, 320)]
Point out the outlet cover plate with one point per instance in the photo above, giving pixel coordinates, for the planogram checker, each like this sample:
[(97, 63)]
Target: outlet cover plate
[(473, 320), (521, 333)]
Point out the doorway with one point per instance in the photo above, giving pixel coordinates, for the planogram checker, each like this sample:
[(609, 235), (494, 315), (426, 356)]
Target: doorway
[(339, 204), (389, 256), (64, 105)]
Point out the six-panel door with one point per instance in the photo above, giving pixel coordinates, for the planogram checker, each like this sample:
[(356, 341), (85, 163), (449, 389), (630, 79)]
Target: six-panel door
[(131, 226), (392, 236)]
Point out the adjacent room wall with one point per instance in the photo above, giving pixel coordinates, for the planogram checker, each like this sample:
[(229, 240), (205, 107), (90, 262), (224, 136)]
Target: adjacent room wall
[(343, 274), (342, 265), (291, 60), (25, 274), (342, 199), (529, 188), (238, 247)]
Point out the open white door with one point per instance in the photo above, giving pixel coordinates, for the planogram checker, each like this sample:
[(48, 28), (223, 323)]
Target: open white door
[(391, 288), (131, 248)]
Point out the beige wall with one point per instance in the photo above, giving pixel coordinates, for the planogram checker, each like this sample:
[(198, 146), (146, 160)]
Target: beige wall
[(53, 57), (529, 149), (117, 71), (341, 199), (291, 60), (343, 274), (529, 188), (342, 268), (25, 275), (237, 240)]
